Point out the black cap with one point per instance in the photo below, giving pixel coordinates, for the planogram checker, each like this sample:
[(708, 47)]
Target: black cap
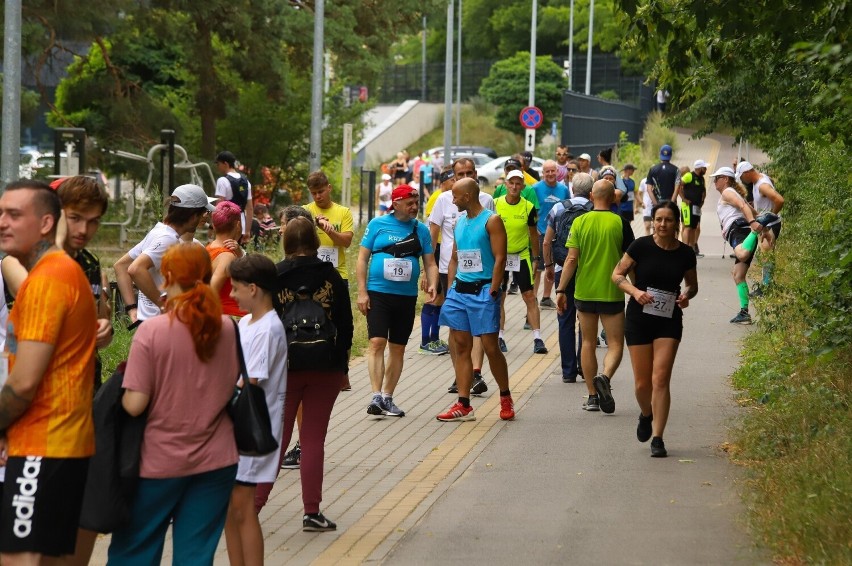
[(447, 175), (226, 157), (527, 155), (511, 162)]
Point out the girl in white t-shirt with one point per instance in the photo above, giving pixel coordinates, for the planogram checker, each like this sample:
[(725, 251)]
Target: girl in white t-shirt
[(253, 281)]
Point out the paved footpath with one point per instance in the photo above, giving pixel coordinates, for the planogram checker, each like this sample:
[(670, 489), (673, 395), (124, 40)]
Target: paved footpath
[(555, 486)]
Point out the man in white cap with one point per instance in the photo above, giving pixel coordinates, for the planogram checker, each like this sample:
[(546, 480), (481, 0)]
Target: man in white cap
[(584, 164), (768, 202), (692, 192), (383, 195), (188, 204)]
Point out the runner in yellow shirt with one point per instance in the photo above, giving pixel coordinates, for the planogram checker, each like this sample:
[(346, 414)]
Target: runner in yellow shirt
[(334, 223)]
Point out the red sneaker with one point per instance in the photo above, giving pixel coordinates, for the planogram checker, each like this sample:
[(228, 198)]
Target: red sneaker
[(457, 412), (507, 408)]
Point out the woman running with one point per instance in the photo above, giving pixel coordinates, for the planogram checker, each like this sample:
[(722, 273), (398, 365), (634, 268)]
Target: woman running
[(654, 319)]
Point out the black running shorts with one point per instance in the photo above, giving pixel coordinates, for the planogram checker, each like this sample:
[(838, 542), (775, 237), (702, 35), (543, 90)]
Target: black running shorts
[(390, 316), (42, 498)]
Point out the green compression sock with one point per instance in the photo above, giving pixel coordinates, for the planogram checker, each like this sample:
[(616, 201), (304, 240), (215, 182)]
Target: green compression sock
[(742, 291), (750, 243)]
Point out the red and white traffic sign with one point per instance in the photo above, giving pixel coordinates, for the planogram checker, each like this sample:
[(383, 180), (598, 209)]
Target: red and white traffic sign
[(531, 118)]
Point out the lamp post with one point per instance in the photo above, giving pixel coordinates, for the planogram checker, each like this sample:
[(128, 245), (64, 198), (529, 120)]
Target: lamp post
[(448, 87), (589, 50), (458, 79), (316, 86), (11, 132)]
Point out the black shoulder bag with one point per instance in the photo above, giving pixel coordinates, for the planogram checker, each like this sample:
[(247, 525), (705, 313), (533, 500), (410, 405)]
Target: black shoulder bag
[(248, 410)]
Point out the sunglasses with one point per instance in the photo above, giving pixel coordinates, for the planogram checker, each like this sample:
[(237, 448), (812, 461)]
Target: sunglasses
[(561, 154), (570, 170)]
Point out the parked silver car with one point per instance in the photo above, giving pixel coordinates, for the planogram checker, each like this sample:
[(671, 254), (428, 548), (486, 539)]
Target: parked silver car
[(491, 171)]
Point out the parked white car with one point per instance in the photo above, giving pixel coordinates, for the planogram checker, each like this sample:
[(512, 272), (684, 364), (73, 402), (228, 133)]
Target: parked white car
[(491, 171)]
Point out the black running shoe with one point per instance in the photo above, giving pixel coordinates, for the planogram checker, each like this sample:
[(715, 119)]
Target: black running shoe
[(768, 219), (607, 403), (293, 458), (453, 388), (643, 429), (316, 522), (513, 288), (591, 403), (539, 347), (479, 386), (742, 317), (377, 406), (658, 447)]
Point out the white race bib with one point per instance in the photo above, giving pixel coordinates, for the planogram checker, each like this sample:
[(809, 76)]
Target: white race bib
[(325, 253), (4, 368), (470, 261), (663, 304), (696, 210), (397, 269), (513, 262)]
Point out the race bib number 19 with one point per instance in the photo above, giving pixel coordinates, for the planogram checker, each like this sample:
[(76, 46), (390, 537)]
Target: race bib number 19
[(470, 261), (663, 304), (397, 269), (325, 253)]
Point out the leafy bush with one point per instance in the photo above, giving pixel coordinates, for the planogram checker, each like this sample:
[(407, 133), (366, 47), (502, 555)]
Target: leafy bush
[(507, 87), (797, 442)]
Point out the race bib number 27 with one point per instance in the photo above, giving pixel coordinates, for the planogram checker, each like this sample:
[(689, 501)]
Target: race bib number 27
[(663, 304)]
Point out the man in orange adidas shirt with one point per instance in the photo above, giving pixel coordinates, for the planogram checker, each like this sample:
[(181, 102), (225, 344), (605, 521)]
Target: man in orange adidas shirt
[(46, 401)]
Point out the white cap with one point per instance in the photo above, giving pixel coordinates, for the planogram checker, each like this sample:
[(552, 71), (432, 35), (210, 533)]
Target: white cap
[(191, 196), (515, 174), (724, 172), (699, 163), (585, 156), (386, 177), (742, 167)]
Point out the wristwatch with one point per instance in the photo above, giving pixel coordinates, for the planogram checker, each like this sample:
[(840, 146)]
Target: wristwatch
[(537, 258), (560, 291)]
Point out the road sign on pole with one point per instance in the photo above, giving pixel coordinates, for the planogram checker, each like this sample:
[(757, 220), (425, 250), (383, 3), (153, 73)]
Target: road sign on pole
[(529, 140), (531, 117)]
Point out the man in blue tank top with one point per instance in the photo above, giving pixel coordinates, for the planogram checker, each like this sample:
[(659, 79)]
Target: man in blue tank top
[(472, 307)]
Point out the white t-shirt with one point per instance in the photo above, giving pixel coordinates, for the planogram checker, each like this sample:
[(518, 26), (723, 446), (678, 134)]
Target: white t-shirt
[(445, 214), (647, 204), (154, 245), (762, 203), (224, 190), (265, 348), (385, 192)]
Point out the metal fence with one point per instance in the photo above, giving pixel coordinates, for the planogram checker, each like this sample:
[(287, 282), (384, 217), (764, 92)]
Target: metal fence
[(590, 124), (405, 82)]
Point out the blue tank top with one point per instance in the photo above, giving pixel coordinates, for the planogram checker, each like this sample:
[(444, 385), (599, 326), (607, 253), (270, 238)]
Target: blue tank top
[(473, 246)]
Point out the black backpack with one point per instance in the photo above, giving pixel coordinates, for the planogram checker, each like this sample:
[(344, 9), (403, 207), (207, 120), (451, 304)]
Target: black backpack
[(239, 190), (563, 227), (311, 335)]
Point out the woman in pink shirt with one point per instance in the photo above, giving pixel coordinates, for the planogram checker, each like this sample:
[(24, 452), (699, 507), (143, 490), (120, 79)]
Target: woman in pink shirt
[(182, 370)]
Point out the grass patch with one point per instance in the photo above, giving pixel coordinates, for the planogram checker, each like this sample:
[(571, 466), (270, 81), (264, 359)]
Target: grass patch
[(478, 128), (796, 440)]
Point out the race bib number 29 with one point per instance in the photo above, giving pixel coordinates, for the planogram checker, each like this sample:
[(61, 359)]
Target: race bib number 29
[(470, 261)]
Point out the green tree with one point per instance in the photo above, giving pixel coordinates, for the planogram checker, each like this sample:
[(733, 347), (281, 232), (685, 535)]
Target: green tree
[(776, 72), (507, 87)]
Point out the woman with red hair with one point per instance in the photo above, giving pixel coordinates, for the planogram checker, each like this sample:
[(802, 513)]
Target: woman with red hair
[(223, 250), (181, 370)]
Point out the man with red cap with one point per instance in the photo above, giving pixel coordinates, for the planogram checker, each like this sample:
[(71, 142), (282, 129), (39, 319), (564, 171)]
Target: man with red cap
[(388, 271)]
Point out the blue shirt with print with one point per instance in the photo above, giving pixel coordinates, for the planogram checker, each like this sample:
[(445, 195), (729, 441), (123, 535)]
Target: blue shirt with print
[(547, 197), (384, 231)]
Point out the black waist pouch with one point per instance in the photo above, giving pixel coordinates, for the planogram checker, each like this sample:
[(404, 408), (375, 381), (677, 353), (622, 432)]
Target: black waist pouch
[(469, 288)]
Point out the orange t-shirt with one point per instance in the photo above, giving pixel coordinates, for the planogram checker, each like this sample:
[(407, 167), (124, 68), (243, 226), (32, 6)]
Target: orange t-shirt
[(55, 306), (229, 304)]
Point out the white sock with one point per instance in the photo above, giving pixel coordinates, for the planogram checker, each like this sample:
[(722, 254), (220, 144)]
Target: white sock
[(500, 334), (375, 393), (387, 395), (537, 334)]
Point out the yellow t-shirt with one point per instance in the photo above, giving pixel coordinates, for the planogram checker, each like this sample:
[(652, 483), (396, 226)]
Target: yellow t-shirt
[(55, 306), (341, 218), (430, 204)]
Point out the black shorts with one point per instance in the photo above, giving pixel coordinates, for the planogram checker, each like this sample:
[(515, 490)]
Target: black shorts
[(523, 278), (42, 498), (390, 316), (694, 221), (599, 307), (641, 328), (443, 284), (737, 233)]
